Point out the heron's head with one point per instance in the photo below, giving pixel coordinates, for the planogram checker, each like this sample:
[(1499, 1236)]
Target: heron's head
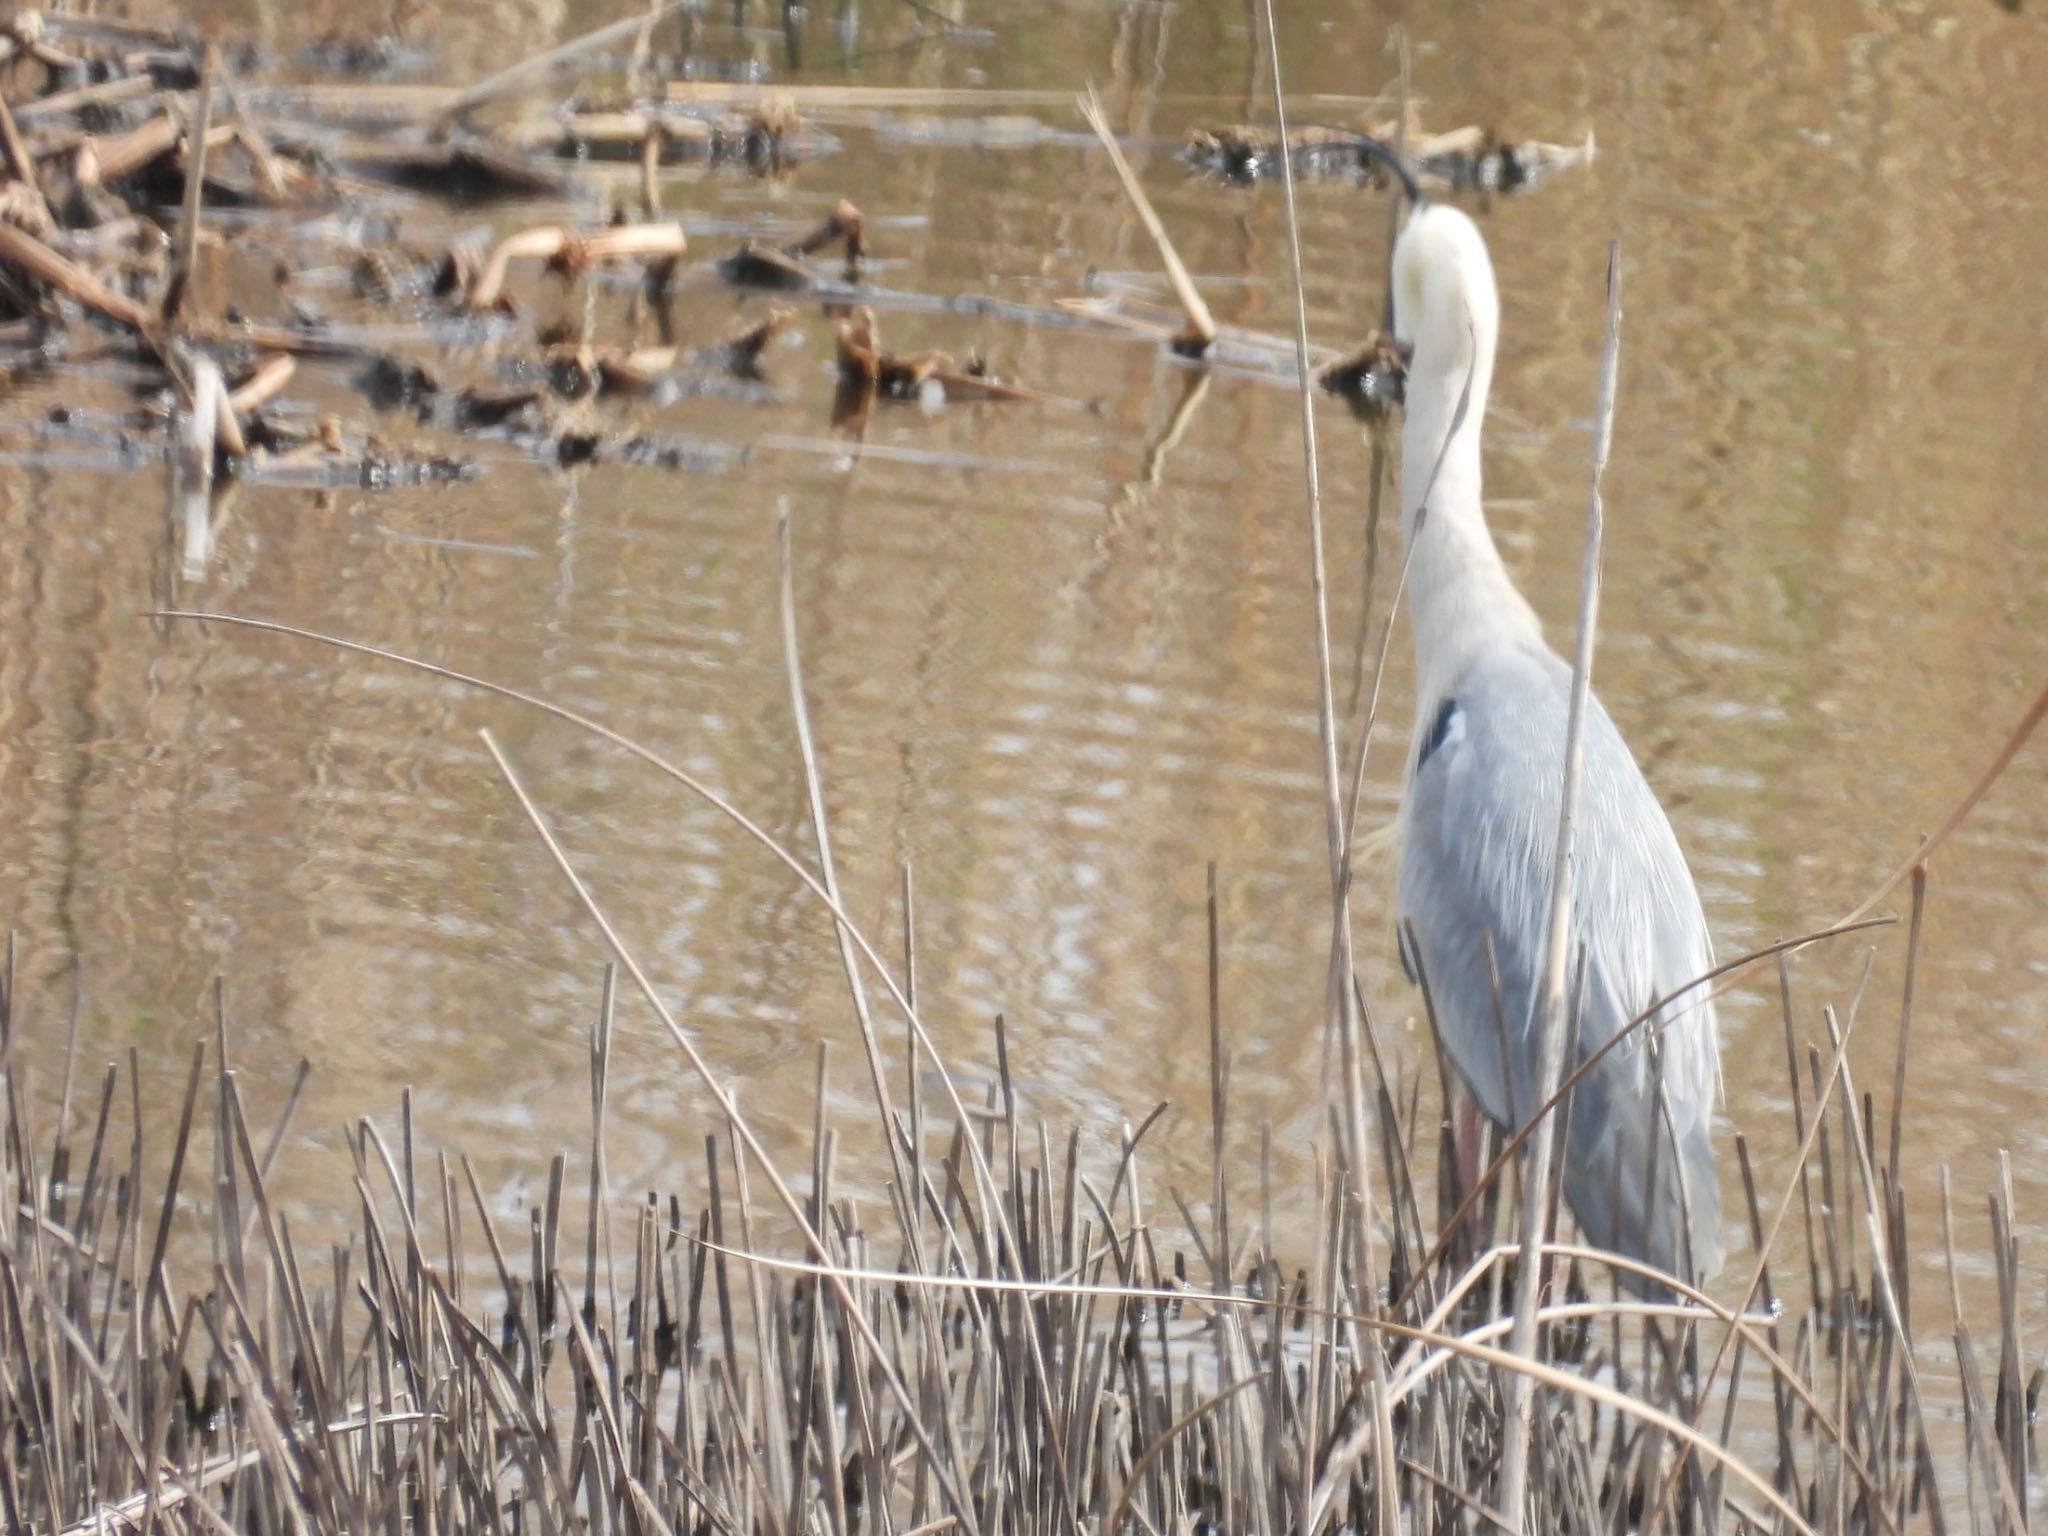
[(1445, 303)]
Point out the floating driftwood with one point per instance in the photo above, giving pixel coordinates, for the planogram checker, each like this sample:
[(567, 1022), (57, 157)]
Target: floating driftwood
[(871, 372), (648, 369), (464, 169), (760, 266), (771, 136), (1470, 158), (35, 259), (124, 147), (858, 98), (785, 269), (572, 254)]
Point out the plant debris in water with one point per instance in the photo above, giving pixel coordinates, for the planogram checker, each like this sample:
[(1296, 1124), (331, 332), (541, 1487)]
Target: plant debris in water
[(1466, 159), (1370, 378), (143, 180), (165, 204)]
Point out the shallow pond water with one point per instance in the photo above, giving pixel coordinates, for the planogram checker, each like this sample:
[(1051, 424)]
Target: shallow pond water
[(1059, 658)]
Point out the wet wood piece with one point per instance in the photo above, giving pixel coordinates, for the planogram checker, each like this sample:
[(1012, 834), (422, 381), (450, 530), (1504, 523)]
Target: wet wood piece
[(20, 163), (645, 370), (760, 266), (871, 372), (765, 139), (102, 94), (742, 353), (34, 257), (264, 383), (785, 269), (23, 206), (461, 169), (159, 150), (1497, 166), (570, 253), (118, 34), (280, 338), (859, 98), (1467, 158), (845, 223), (22, 36), (115, 157), (637, 372)]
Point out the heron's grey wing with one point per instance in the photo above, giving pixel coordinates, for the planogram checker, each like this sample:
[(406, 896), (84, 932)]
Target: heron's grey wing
[(1479, 834)]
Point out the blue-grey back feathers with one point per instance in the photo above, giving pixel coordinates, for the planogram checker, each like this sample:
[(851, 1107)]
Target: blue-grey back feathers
[(1480, 834)]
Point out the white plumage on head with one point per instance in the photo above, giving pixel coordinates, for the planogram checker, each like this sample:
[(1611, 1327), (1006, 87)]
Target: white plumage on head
[(1479, 818)]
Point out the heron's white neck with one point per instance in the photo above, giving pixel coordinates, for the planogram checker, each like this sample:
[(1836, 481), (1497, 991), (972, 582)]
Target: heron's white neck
[(1461, 600)]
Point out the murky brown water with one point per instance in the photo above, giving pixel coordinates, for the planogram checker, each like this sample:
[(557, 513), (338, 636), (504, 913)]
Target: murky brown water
[(1059, 660)]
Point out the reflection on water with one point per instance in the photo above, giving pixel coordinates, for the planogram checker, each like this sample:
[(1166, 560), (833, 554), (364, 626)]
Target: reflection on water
[(1060, 660)]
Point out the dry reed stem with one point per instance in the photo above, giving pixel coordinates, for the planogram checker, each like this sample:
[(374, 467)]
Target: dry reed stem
[(1880, 1268), (814, 789), (1466, 1346), (741, 1130), (227, 424), (265, 383), (273, 175), (198, 442), (1692, 1306), (198, 130), (605, 1428), (505, 80), (661, 765), (1810, 1139), (1201, 330), (1551, 1020), (1723, 969), (38, 260), (575, 252), (106, 93), (1339, 997)]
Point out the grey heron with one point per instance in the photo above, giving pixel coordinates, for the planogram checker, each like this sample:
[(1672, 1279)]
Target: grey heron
[(1478, 823)]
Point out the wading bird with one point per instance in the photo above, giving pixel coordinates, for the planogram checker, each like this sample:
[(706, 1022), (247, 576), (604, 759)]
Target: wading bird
[(1479, 825)]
